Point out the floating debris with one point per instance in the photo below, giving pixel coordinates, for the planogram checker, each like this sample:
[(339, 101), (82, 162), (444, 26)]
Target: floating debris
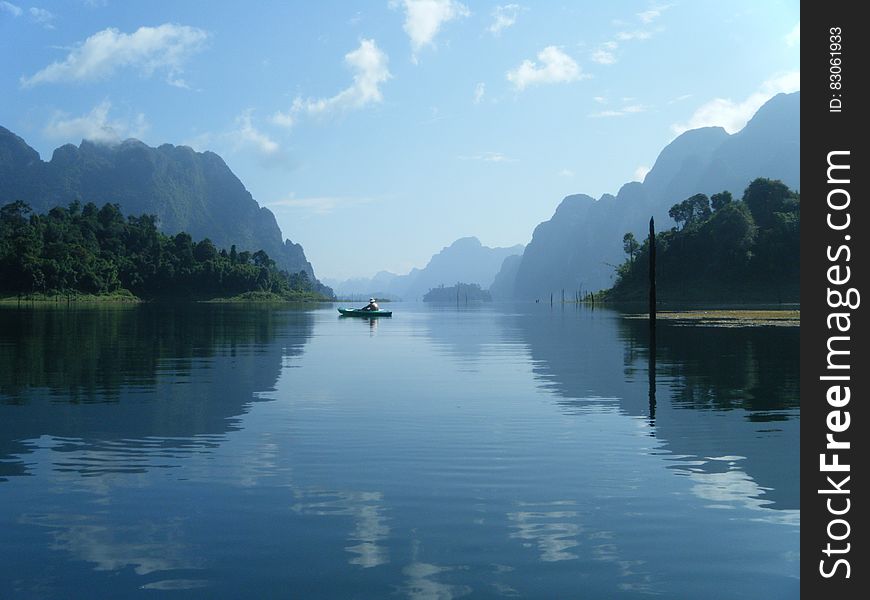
[(729, 318)]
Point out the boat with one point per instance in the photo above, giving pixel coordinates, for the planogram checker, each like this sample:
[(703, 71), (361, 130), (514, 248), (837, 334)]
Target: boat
[(358, 312)]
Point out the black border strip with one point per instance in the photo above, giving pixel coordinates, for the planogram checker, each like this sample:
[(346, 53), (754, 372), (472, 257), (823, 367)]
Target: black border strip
[(833, 120)]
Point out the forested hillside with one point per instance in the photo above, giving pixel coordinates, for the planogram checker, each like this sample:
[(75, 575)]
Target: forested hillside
[(90, 250), (722, 249)]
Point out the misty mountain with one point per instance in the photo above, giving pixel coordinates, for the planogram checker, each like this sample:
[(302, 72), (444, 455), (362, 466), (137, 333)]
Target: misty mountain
[(466, 260), (579, 247), (188, 191), (502, 285)]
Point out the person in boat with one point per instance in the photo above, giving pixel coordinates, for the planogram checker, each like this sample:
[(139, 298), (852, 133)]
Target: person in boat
[(372, 305)]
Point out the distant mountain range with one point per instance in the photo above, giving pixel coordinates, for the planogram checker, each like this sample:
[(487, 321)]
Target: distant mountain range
[(581, 244), (188, 191), (464, 261)]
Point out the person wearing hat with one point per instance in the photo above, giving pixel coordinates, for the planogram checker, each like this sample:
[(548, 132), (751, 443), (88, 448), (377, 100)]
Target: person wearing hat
[(372, 305)]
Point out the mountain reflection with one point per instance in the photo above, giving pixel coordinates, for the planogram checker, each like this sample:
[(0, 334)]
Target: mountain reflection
[(504, 452), (723, 368), (130, 383), (741, 384)]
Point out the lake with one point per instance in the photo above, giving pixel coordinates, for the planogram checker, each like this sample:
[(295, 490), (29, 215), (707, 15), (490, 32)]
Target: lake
[(228, 451)]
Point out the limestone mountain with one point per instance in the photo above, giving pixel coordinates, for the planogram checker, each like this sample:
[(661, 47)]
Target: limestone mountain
[(187, 190), (579, 247)]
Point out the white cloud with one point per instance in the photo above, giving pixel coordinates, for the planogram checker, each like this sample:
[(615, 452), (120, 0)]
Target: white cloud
[(424, 18), (42, 16), (370, 66), (319, 205), (600, 99), (630, 109), (731, 115), (566, 173), (603, 57), (653, 13), (555, 67), (95, 126), (640, 172), (679, 98), (794, 36), (247, 135), (479, 92), (495, 157), (638, 34), (148, 49), (503, 17), (283, 119), (10, 8)]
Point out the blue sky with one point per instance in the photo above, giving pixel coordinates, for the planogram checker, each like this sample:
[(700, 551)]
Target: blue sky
[(379, 132)]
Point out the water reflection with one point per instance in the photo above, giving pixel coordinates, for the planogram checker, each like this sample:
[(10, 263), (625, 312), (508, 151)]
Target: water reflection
[(724, 368), (741, 384), (148, 547), (367, 511), (123, 388), (512, 446), (422, 579), (742, 387), (551, 528)]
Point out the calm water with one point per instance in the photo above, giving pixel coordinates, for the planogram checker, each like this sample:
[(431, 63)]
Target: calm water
[(516, 451)]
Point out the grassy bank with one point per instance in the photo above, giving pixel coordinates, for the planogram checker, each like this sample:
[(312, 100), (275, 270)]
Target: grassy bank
[(126, 297), (118, 297)]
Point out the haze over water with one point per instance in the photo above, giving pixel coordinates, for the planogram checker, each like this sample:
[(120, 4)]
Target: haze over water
[(221, 451)]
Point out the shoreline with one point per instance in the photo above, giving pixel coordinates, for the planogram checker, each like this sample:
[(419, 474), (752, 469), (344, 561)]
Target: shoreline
[(122, 299)]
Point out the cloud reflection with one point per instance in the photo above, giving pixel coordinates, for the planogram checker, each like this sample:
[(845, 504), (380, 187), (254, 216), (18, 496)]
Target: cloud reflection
[(147, 547), (367, 511), (552, 530)]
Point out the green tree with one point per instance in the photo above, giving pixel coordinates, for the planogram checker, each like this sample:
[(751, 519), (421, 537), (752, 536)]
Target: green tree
[(720, 200), (204, 251), (96, 250), (630, 245), (690, 211), (764, 197)]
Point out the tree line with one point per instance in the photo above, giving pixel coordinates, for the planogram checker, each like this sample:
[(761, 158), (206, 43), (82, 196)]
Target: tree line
[(83, 249), (722, 248)]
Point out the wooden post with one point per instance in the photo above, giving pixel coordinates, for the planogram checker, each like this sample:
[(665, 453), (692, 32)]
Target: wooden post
[(651, 371), (652, 273), (652, 320)]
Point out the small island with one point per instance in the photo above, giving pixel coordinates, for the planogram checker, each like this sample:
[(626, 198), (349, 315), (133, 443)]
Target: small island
[(459, 293)]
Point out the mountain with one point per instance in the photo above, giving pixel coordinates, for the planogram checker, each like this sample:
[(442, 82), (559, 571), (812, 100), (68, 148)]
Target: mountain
[(466, 260), (502, 285), (580, 245), (188, 191)]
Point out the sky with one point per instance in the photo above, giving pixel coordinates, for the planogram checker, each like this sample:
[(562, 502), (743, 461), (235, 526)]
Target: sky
[(379, 132)]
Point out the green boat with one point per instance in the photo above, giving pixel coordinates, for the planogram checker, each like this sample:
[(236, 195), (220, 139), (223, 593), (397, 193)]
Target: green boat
[(358, 312)]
